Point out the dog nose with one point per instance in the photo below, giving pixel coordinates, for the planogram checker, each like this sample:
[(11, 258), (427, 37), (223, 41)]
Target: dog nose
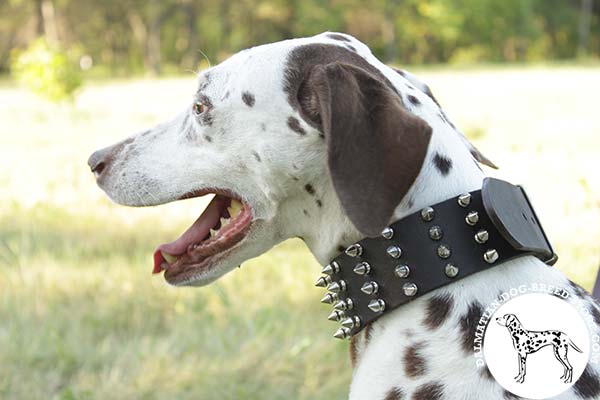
[(100, 160)]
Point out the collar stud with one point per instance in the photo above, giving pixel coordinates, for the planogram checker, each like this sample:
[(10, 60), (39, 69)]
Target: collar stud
[(387, 233), (402, 271), (435, 233), (329, 298), (363, 268), (394, 251), (370, 288), (342, 333), (472, 218), (351, 322), (490, 256), (332, 268), (323, 281), (344, 305), (336, 315), (427, 214), (482, 236), (377, 305), (451, 270), (464, 199), (443, 251), (409, 289), (354, 250)]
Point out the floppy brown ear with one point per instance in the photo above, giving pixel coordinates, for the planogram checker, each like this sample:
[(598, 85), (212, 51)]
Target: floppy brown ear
[(375, 147)]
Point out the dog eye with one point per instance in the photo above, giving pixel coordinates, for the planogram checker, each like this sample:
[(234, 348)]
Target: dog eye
[(199, 108)]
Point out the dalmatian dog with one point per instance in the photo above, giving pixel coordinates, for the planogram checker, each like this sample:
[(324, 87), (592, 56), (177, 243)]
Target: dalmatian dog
[(316, 138), (528, 342)]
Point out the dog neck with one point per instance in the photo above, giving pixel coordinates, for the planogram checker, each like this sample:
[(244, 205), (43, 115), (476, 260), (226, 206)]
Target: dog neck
[(448, 170)]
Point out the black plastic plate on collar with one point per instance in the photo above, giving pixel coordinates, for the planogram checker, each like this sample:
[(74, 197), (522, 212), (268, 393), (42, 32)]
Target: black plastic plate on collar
[(513, 215)]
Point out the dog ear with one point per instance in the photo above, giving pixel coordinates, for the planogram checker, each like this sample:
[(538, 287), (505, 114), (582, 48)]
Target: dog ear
[(375, 147)]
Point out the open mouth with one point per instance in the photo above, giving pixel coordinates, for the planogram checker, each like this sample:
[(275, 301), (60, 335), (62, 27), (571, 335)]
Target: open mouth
[(224, 223)]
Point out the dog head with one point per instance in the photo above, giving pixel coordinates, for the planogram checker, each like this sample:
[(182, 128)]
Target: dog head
[(508, 320), (290, 137)]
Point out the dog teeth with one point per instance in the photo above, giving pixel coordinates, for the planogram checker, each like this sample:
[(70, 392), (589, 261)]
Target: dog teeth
[(169, 258), (213, 232), (234, 208), (225, 221)]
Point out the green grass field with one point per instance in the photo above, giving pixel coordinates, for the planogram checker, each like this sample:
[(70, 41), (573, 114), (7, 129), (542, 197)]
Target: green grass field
[(81, 317)]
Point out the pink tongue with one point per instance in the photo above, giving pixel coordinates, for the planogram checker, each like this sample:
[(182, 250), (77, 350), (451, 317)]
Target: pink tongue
[(194, 234)]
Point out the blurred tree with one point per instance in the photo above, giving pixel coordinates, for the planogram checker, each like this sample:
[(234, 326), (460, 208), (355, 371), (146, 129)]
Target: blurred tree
[(132, 36)]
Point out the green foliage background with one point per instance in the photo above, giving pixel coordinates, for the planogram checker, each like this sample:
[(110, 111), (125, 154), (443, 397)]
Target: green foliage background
[(133, 36)]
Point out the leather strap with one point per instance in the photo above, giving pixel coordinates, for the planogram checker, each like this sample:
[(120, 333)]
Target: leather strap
[(432, 248)]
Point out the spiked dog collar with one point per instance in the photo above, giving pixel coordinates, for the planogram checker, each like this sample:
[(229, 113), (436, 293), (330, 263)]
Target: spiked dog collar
[(431, 248)]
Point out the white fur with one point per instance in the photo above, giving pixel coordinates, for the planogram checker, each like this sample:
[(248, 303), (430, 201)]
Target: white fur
[(164, 164)]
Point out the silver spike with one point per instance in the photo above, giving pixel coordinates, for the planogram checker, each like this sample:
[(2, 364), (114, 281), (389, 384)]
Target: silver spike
[(336, 315), (342, 333), (354, 250), (402, 271), (443, 251), (427, 214), (370, 287), (387, 233), (482, 236), (451, 270), (435, 232), (323, 281), (472, 218), (344, 305), (394, 251), (336, 287), (490, 256), (363, 268), (377, 305), (331, 269), (464, 199), (351, 322), (409, 289), (329, 298)]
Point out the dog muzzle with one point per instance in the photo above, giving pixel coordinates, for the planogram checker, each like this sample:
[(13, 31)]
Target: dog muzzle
[(431, 248)]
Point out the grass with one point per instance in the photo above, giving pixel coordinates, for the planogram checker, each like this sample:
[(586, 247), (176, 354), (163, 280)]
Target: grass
[(82, 318)]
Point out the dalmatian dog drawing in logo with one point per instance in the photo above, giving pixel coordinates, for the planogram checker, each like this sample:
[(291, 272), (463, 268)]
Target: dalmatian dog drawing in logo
[(527, 342)]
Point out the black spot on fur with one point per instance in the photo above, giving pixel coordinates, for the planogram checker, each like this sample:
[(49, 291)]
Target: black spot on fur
[(263, 126), (579, 291), (468, 324), (207, 138), (337, 36), (486, 373), (341, 248), (319, 203), (588, 385), (305, 212), (225, 95), (309, 188), (437, 310), (414, 361), (510, 396), (256, 156), (248, 98), (394, 394), (411, 202), (207, 118), (595, 314), (399, 71), (351, 48), (294, 125), (442, 163), (429, 391), (414, 100)]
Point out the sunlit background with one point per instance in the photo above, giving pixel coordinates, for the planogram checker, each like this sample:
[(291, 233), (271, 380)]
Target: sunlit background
[(81, 317)]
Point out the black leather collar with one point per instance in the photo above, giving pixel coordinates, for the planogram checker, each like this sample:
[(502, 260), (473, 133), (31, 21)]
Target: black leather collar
[(429, 249)]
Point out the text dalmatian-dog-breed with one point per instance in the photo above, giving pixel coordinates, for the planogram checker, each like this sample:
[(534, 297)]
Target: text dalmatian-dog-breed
[(316, 138)]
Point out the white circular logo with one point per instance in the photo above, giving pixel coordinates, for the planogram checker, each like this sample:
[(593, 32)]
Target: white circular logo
[(536, 345)]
